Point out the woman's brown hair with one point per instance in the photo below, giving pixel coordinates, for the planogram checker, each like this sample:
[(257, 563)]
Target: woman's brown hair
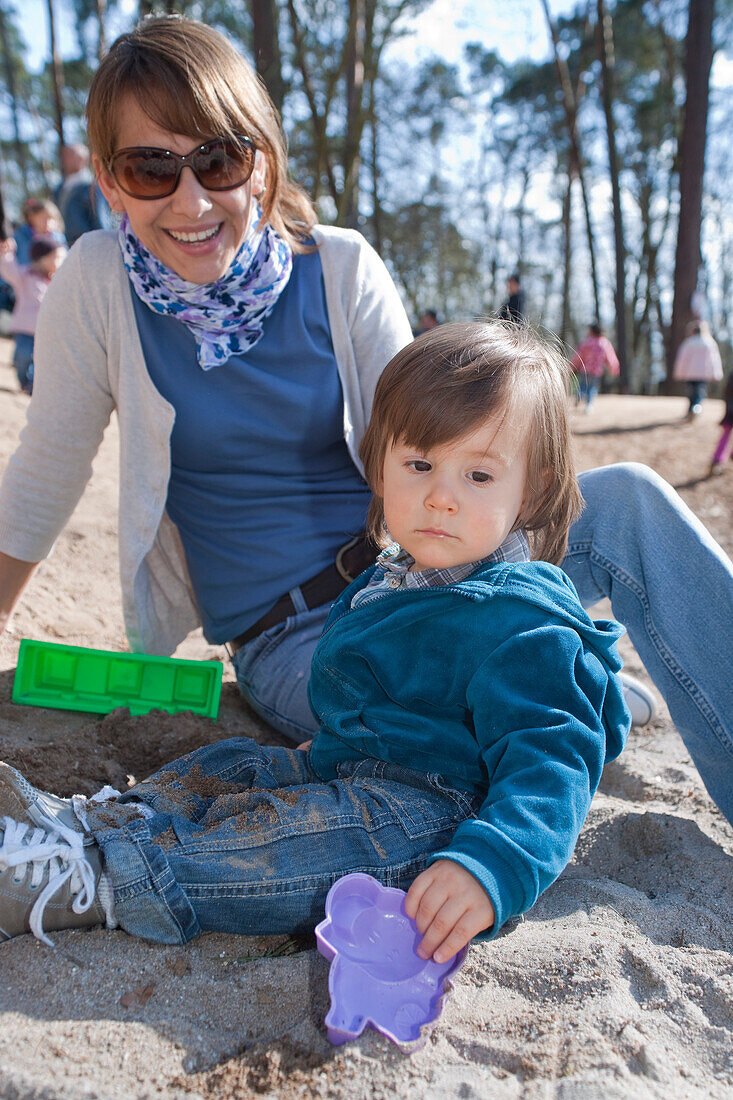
[(190, 80), (454, 377)]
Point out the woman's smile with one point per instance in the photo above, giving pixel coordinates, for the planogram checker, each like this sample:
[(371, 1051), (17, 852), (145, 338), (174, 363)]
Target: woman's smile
[(195, 232), (195, 237)]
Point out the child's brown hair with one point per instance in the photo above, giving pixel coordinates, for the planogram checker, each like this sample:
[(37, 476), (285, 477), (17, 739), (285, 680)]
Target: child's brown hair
[(450, 380)]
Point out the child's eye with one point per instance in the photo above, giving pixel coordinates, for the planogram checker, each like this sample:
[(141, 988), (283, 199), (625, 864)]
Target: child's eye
[(419, 465), (480, 477)]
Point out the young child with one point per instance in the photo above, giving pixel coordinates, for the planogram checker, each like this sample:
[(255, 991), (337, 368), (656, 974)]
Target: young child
[(30, 282), (41, 221), (594, 356), (467, 704)]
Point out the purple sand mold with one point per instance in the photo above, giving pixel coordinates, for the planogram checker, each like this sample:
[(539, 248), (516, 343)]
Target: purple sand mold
[(377, 979)]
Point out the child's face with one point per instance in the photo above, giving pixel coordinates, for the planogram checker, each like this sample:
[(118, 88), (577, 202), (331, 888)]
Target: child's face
[(459, 501), (41, 221), (51, 262)]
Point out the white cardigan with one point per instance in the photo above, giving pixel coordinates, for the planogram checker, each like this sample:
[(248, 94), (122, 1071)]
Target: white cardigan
[(89, 361)]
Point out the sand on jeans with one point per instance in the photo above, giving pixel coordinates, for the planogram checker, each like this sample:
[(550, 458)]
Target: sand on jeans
[(619, 983)]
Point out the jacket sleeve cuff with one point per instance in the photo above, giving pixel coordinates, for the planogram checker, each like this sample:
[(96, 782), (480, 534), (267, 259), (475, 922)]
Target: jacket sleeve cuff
[(497, 874)]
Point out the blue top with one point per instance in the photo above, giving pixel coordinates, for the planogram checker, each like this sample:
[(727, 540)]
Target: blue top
[(501, 684), (262, 488)]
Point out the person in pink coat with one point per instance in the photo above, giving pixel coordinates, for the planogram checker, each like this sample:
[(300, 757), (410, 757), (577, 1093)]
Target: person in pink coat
[(30, 282), (594, 356), (697, 362)]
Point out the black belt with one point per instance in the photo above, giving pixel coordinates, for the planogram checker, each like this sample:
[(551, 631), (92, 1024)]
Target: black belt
[(351, 560)]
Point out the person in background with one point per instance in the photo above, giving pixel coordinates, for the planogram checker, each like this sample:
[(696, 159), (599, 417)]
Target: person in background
[(29, 282), (81, 202), (724, 449), (428, 319), (697, 362), (41, 221), (513, 307), (594, 356)]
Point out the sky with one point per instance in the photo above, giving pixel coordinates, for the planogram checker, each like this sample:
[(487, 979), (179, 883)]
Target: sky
[(514, 29)]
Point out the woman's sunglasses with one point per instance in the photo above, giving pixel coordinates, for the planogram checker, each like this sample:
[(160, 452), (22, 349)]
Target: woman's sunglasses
[(148, 173)]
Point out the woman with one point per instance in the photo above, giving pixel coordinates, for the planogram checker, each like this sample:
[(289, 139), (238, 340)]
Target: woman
[(240, 344), (697, 362)]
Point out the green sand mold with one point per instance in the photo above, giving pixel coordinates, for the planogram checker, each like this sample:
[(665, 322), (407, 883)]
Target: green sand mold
[(71, 677)]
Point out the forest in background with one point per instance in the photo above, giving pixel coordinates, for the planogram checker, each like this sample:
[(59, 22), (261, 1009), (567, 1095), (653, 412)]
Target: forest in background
[(583, 172)]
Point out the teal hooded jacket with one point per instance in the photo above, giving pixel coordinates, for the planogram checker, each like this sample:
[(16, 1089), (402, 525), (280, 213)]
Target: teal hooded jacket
[(500, 684)]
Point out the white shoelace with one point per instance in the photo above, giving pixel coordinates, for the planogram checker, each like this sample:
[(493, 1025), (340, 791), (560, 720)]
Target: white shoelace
[(56, 848)]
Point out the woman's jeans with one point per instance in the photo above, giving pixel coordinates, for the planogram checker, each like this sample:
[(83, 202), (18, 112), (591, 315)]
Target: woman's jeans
[(668, 581), (241, 837)]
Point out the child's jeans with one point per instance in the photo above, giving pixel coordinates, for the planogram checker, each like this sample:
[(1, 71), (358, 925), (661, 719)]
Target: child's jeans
[(588, 387), (245, 838), (23, 360), (670, 584), (696, 392)]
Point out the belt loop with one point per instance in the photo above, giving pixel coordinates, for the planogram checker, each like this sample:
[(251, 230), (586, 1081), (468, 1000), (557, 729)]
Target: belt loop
[(298, 600)]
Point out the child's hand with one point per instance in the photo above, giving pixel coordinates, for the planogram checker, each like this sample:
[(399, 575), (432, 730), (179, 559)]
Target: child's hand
[(305, 744), (8, 247), (450, 907)]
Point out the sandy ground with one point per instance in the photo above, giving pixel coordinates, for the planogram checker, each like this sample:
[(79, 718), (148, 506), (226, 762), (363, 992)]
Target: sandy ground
[(618, 984)]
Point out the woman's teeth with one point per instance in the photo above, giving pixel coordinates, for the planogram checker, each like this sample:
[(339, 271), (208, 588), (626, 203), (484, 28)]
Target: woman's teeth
[(193, 238)]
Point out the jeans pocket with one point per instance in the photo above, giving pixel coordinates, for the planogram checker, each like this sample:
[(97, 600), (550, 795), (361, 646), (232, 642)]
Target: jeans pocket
[(423, 808), (467, 805), (247, 659)]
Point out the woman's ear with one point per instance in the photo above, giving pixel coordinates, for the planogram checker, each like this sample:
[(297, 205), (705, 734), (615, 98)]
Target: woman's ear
[(258, 181), (108, 187)]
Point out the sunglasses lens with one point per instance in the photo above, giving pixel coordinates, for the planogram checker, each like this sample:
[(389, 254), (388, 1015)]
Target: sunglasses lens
[(222, 165), (146, 173)]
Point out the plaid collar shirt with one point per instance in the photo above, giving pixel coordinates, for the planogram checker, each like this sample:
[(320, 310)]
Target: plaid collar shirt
[(393, 569)]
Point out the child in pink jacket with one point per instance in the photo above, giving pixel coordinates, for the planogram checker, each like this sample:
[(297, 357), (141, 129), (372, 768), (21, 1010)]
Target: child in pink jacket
[(29, 281), (594, 355)]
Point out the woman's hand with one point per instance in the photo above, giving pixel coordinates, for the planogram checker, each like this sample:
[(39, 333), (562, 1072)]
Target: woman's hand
[(450, 907), (8, 247), (305, 744)]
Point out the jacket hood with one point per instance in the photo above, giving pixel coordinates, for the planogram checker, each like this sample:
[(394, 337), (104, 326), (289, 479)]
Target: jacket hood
[(556, 595)]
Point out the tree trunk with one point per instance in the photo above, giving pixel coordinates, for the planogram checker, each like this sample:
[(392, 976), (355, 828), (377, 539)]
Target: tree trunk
[(57, 78), (101, 6), (321, 152), (376, 218), (567, 258), (570, 105), (698, 61), (4, 227), (266, 42), (349, 204), (605, 52), (19, 145)]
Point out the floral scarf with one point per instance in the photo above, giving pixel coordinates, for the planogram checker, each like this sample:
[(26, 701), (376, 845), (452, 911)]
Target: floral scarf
[(225, 317)]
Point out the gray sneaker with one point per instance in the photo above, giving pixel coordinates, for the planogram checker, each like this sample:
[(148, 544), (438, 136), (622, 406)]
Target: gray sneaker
[(48, 878), (639, 699), (23, 802)]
